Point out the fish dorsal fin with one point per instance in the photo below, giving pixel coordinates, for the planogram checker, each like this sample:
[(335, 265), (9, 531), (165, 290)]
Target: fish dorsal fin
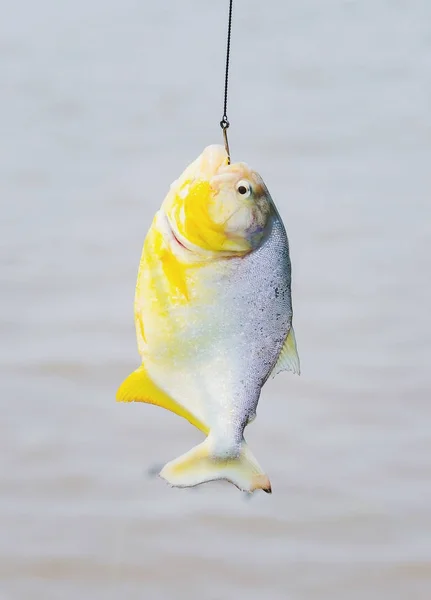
[(139, 387), (288, 359)]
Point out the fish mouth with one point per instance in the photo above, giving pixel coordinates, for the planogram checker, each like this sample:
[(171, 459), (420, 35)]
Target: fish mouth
[(211, 161)]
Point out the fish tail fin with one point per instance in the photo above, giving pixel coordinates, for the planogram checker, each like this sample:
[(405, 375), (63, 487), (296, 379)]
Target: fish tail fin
[(198, 465)]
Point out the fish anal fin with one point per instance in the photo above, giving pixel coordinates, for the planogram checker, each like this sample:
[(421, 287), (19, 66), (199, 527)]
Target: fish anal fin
[(139, 387), (288, 359)]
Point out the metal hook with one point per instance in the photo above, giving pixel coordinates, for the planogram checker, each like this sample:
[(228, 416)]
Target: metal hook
[(224, 124)]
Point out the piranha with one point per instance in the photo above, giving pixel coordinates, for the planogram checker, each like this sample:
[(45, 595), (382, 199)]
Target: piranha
[(213, 315)]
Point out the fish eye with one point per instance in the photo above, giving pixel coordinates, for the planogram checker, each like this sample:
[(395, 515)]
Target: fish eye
[(244, 188)]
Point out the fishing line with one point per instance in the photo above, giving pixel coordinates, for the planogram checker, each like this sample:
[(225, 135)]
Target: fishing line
[(224, 123)]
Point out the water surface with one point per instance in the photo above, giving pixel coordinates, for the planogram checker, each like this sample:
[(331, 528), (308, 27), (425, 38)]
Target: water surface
[(103, 105)]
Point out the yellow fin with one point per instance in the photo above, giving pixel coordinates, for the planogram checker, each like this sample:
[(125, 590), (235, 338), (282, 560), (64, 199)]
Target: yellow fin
[(288, 359), (199, 466), (138, 387)]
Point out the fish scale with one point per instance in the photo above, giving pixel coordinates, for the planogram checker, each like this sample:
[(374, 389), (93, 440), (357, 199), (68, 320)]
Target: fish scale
[(258, 339)]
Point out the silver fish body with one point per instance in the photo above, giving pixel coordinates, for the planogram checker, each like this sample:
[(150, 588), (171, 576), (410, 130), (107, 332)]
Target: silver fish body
[(258, 286), (213, 314)]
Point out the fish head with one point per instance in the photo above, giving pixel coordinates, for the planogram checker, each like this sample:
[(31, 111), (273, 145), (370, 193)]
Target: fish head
[(216, 207)]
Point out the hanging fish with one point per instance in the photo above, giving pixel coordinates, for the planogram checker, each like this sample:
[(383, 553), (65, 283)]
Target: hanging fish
[(213, 315)]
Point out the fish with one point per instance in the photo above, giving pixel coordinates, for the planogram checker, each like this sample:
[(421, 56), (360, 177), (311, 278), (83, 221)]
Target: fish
[(213, 315)]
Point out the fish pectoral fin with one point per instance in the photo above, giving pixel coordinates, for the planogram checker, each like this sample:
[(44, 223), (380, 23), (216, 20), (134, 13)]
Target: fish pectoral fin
[(139, 387), (199, 466), (288, 359)]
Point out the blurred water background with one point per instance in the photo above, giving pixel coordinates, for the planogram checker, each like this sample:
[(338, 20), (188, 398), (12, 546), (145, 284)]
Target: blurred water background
[(102, 106)]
